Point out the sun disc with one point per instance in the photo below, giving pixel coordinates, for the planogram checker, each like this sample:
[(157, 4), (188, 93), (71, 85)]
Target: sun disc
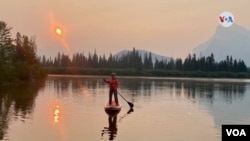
[(58, 31)]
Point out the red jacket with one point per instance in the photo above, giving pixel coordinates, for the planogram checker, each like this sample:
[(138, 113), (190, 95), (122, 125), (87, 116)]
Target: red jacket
[(113, 83)]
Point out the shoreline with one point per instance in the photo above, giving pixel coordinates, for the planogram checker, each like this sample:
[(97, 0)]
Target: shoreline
[(146, 73)]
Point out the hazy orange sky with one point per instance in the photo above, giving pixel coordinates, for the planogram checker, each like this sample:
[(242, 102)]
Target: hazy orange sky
[(166, 27)]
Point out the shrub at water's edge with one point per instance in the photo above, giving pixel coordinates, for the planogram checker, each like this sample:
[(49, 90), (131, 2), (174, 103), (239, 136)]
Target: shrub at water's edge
[(18, 59)]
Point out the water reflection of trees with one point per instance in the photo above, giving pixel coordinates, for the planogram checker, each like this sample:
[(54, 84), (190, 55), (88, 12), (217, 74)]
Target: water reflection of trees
[(16, 102), (208, 90), (65, 86), (192, 90)]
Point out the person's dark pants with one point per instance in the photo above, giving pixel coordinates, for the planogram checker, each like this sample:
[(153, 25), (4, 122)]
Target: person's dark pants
[(111, 92)]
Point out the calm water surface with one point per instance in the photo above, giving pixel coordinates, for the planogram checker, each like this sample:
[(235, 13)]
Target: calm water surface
[(70, 108)]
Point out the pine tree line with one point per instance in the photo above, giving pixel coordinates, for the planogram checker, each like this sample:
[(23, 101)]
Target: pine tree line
[(133, 60), (206, 64), (18, 60)]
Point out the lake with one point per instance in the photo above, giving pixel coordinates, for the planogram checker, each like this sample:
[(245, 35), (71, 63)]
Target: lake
[(71, 108)]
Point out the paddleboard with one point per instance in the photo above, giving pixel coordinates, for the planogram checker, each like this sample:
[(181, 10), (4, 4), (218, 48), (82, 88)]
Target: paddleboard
[(112, 109)]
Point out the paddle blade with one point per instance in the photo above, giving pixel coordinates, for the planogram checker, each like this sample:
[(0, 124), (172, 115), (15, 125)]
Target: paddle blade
[(131, 104)]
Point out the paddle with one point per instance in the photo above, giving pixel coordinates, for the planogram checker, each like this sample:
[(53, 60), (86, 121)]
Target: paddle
[(129, 103)]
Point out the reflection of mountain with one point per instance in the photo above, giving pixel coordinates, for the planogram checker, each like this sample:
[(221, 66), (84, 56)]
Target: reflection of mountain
[(234, 40), (16, 101), (227, 102), (228, 113)]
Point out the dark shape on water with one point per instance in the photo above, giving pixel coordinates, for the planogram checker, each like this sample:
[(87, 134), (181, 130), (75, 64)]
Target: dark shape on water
[(17, 101), (112, 128), (130, 110)]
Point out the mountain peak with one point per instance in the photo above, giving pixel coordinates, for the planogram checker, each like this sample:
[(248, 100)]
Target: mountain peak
[(234, 29), (233, 41)]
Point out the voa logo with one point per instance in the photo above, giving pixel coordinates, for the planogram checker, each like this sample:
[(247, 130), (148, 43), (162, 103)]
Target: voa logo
[(226, 19)]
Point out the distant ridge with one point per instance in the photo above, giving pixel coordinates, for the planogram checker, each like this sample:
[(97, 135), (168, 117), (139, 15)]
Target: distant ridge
[(233, 41), (143, 54)]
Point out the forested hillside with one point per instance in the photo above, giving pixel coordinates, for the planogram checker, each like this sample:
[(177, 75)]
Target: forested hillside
[(18, 59)]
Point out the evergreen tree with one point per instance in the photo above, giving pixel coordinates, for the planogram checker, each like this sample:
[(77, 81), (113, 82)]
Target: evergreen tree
[(178, 64), (150, 62), (18, 60), (7, 53), (170, 64), (187, 63), (210, 63)]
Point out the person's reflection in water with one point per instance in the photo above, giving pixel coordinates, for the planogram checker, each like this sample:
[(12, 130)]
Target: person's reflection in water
[(112, 129)]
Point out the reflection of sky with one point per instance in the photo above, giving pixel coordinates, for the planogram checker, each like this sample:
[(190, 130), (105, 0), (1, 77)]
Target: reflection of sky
[(149, 117), (226, 100), (73, 109)]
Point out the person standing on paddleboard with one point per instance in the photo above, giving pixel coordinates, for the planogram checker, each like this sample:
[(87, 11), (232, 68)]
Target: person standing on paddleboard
[(113, 85)]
